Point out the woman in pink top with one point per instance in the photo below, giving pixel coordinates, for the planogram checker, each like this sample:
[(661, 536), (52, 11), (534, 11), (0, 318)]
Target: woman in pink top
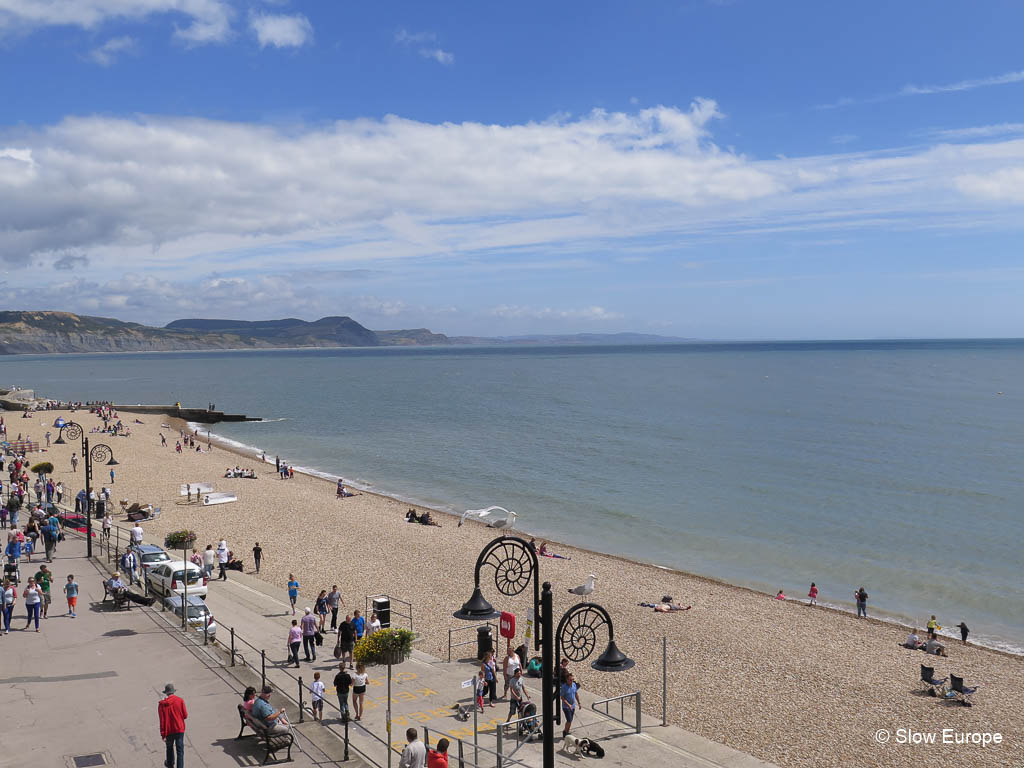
[(294, 641), (813, 594)]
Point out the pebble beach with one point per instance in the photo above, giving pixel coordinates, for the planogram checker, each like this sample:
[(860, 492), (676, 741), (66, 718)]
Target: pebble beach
[(788, 683)]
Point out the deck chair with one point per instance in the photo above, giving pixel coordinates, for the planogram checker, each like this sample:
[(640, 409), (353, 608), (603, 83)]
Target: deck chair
[(933, 686), (962, 692)]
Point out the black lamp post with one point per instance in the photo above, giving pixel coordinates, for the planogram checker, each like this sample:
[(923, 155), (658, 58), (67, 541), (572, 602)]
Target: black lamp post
[(515, 563), (101, 453)]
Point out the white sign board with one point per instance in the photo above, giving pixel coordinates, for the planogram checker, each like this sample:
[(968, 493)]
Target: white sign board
[(210, 499), (195, 489), (468, 683)]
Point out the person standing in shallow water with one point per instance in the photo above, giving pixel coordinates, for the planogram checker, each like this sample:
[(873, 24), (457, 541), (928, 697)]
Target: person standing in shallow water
[(861, 596), (964, 632)]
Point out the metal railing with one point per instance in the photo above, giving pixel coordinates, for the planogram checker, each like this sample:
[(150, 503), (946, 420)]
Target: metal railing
[(451, 631), (392, 601), (461, 748), (622, 708)]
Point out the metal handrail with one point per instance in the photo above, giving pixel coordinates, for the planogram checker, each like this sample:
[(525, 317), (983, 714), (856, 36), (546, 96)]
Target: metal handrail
[(622, 708), (451, 645)]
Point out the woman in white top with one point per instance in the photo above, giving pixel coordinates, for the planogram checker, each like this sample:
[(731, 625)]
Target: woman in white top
[(374, 624), (359, 680), (512, 663), (33, 598), (108, 523), (8, 598)]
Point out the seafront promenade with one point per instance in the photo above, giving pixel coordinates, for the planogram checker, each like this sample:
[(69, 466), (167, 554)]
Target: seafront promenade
[(101, 674), (786, 683)]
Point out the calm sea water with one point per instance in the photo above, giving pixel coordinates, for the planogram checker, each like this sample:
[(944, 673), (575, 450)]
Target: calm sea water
[(892, 465)]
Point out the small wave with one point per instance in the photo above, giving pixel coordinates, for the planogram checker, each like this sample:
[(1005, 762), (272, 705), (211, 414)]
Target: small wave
[(267, 421)]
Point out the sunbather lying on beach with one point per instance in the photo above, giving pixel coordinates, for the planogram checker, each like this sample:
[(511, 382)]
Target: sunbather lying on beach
[(423, 519), (543, 552), (665, 607)]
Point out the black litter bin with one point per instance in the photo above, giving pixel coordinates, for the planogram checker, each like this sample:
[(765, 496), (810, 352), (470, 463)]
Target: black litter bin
[(382, 606), (484, 641)]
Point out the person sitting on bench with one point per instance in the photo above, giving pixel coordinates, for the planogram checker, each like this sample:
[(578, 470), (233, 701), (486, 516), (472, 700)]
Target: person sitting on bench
[(274, 720)]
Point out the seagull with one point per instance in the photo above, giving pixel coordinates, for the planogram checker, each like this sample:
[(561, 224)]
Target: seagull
[(584, 589), (506, 520)]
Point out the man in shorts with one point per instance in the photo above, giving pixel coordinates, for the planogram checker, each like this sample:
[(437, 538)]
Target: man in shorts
[(570, 701), (44, 577), (517, 694)]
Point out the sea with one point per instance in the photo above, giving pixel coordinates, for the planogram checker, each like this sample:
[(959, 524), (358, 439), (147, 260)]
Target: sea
[(892, 465)]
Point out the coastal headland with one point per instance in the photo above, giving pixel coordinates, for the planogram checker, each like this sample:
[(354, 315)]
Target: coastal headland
[(792, 684)]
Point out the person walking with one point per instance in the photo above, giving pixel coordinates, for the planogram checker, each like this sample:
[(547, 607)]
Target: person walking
[(257, 556), (374, 625), (209, 558), (294, 641), (320, 609), (128, 563), (71, 593), (334, 600), (108, 523), (74, 462), (812, 594), (137, 533), (415, 754), (489, 668), (44, 578), (517, 694), (8, 598), (359, 624), (861, 596), (172, 726), (222, 559), (346, 640), (33, 599), (316, 689), (509, 666), (111, 476), (359, 682), (308, 623), (342, 683), (293, 590), (570, 701)]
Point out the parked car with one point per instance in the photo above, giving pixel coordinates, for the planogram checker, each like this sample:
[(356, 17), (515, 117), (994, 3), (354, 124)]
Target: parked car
[(198, 612), (150, 555), (168, 578)]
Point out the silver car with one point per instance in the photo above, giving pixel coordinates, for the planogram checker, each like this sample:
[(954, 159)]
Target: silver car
[(198, 613)]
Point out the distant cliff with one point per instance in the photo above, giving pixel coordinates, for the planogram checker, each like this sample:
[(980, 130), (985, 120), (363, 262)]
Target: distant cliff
[(47, 332)]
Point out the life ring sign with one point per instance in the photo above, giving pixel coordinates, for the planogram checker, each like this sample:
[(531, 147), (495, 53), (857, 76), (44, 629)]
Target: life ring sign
[(507, 625)]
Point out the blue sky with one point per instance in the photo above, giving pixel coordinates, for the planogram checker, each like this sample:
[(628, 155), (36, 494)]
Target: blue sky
[(703, 169)]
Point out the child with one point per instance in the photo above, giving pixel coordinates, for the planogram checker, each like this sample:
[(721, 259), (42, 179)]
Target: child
[(27, 547), (71, 591), (293, 591), (317, 689), (813, 594), (933, 625), (781, 595), (3, 513), (481, 689)]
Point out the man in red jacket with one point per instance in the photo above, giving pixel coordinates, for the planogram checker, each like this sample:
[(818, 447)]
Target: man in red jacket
[(172, 726)]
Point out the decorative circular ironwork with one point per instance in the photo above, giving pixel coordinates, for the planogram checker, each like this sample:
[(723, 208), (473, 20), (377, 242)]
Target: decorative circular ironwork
[(579, 634), (72, 430), (513, 567), (100, 453)]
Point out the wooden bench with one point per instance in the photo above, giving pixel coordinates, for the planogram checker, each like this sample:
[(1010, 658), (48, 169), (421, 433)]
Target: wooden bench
[(273, 742), (121, 601)]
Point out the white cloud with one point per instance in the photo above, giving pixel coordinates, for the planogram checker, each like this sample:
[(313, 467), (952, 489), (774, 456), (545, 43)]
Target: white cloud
[(978, 131), (432, 52), (965, 85), (188, 194), (208, 20), (281, 31), (1005, 185), (106, 54), (586, 314), (438, 55)]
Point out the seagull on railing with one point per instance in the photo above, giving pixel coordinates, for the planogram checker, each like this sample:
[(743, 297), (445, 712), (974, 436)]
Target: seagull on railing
[(584, 589), (503, 518)]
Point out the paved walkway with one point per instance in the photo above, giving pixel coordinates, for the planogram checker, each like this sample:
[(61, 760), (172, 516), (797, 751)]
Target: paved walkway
[(90, 685)]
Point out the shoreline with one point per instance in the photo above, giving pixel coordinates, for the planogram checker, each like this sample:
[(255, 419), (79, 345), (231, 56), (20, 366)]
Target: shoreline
[(244, 450), (729, 658)]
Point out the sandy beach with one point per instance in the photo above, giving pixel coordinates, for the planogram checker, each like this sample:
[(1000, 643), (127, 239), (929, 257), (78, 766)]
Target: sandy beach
[(795, 685)]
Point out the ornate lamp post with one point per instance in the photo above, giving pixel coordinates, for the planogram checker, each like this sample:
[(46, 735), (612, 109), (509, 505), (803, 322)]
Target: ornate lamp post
[(515, 566), (100, 452)]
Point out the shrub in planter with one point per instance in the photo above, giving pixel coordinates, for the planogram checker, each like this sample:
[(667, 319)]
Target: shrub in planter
[(180, 539), (384, 646)]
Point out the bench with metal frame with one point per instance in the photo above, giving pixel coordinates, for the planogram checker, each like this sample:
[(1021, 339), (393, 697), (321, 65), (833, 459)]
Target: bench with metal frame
[(120, 598), (273, 742)]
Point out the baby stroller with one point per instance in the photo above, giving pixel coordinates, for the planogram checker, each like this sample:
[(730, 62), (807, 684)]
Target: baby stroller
[(12, 572), (529, 724)]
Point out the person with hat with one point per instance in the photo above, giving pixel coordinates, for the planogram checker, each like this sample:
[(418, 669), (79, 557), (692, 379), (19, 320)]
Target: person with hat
[(172, 726), (275, 721)]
